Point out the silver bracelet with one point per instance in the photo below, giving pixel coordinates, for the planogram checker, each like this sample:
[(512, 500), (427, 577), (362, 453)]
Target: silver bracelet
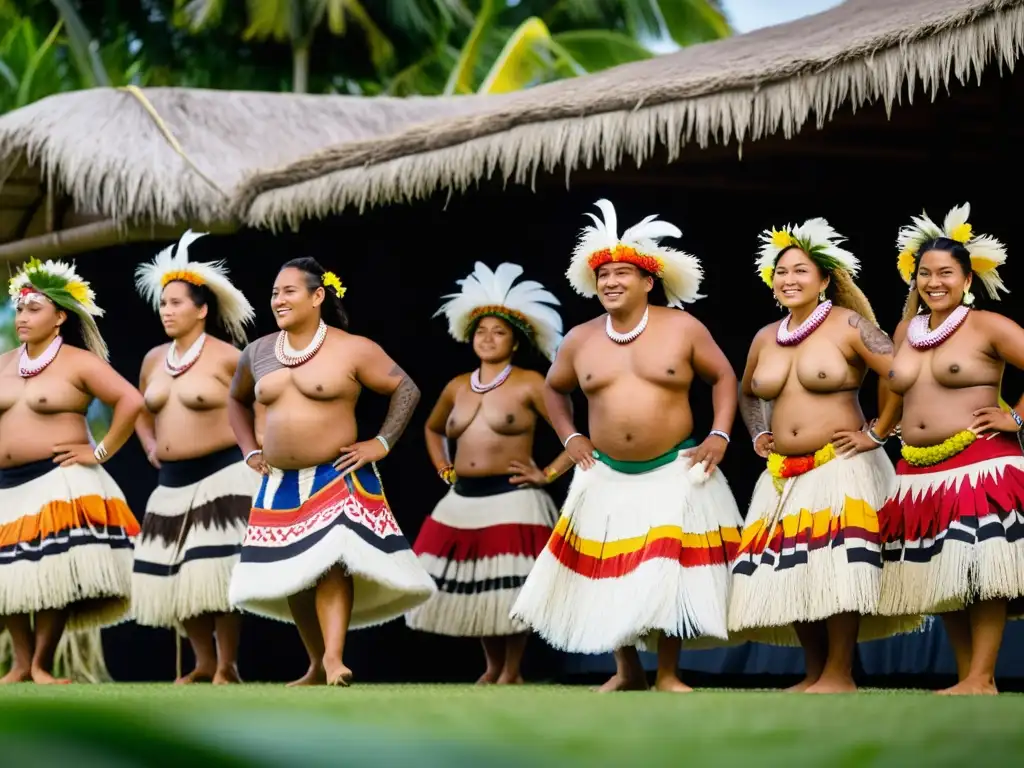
[(565, 443), (719, 433), (100, 453), (877, 440), (383, 441), (758, 436), (250, 454)]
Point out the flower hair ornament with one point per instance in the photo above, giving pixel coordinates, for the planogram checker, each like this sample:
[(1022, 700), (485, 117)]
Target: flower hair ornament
[(987, 254), (172, 264), (680, 273), (496, 294), (816, 238), (58, 282), (332, 281)]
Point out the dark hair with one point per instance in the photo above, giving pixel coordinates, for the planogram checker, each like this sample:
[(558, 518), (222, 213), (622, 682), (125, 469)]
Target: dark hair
[(332, 310), (954, 248), (202, 296), (71, 329), (656, 296)]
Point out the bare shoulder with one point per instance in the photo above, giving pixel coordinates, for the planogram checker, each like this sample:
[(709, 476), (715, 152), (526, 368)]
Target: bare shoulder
[(528, 377), (459, 382), (580, 334), (155, 355), (993, 321)]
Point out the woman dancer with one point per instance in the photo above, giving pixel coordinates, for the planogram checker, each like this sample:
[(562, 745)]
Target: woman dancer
[(322, 548), (952, 532), (808, 563), (483, 537), (196, 518), (65, 530)]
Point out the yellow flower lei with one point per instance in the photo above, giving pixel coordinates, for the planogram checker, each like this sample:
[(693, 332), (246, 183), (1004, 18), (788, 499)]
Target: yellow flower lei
[(783, 467), (331, 280), (934, 454)]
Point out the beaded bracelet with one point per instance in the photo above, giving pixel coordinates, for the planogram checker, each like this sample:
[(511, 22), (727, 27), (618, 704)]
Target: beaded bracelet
[(875, 438), (721, 434)]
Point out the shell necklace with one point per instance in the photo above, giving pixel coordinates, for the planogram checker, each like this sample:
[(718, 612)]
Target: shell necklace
[(921, 338), (787, 338), (175, 365), (628, 336), (476, 386), (287, 356), (28, 367)]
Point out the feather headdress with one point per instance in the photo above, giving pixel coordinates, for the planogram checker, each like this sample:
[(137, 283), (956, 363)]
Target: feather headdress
[(987, 253), (815, 237), (172, 264), (61, 284), (679, 272), (525, 305)]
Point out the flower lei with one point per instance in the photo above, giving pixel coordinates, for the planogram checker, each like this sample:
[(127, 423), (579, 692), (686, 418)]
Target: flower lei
[(331, 280), (935, 454), (782, 467)]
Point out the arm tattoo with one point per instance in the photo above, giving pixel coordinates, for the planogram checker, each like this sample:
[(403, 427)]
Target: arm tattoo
[(756, 414), (403, 402), (241, 383), (875, 339)]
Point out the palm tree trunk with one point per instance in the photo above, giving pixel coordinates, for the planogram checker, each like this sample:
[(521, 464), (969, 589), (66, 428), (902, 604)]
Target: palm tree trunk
[(300, 68)]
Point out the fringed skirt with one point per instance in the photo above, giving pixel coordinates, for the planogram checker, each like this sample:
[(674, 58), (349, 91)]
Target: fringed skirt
[(479, 545), (810, 550), (632, 555), (304, 522), (65, 543), (191, 537), (953, 533)]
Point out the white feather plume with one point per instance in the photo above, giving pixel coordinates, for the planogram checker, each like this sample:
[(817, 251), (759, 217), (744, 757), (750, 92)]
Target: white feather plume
[(498, 288), (681, 273), (816, 237), (234, 308)]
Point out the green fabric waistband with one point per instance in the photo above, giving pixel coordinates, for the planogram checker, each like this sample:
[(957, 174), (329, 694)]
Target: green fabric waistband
[(639, 467)]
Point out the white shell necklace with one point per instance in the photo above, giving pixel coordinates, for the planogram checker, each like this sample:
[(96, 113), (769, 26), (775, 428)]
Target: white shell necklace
[(28, 367), (628, 336), (476, 386), (286, 355), (921, 338), (786, 338), (175, 365)]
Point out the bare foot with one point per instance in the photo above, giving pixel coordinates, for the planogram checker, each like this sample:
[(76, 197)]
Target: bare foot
[(42, 677), (671, 685), (803, 685), (833, 685), (489, 676), (17, 675), (972, 686), (227, 675), (197, 675), (315, 676), (624, 683), (504, 679)]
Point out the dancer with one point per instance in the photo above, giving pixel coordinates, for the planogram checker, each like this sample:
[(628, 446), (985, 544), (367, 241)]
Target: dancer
[(951, 533), (65, 530), (322, 549), (196, 518), (809, 568), (483, 537), (641, 550)]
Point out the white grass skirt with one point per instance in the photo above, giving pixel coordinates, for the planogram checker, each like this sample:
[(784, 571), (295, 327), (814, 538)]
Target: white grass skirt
[(632, 555), (479, 545), (65, 543), (813, 551), (191, 538), (306, 521)]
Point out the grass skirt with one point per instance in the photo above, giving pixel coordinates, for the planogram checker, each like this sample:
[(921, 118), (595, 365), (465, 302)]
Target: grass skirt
[(813, 551), (633, 555), (953, 533), (479, 545), (191, 537), (304, 522)]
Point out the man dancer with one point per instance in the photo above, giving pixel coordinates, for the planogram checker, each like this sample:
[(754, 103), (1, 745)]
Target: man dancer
[(649, 527)]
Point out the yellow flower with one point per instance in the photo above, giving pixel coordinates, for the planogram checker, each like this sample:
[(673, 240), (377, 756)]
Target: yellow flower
[(961, 233), (905, 264), (79, 292), (767, 274), (331, 280), (934, 454), (981, 265), (781, 238)]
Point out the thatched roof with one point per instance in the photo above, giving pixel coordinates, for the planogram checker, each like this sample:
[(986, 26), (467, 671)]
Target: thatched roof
[(771, 81), (105, 149)]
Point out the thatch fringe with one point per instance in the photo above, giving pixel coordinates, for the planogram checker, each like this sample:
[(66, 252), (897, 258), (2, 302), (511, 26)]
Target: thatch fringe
[(931, 41), (79, 656)]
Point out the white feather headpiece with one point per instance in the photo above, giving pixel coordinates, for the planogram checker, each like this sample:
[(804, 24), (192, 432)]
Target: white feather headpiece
[(61, 284), (486, 293), (815, 237), (987, 253), (679, 272), (173, 264)]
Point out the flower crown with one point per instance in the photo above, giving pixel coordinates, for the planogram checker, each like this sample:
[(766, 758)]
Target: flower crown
[(331, 280), (815, 237), (987, 254)]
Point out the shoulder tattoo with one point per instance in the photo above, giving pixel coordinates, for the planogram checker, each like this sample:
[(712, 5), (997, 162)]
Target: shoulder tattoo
[(874, 338)]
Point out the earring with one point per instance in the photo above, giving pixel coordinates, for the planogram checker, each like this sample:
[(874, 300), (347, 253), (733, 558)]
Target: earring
[(968, 298), (821, 296)]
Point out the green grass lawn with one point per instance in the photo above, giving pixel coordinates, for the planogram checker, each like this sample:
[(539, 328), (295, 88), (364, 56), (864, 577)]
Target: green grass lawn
[(426, 725)]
